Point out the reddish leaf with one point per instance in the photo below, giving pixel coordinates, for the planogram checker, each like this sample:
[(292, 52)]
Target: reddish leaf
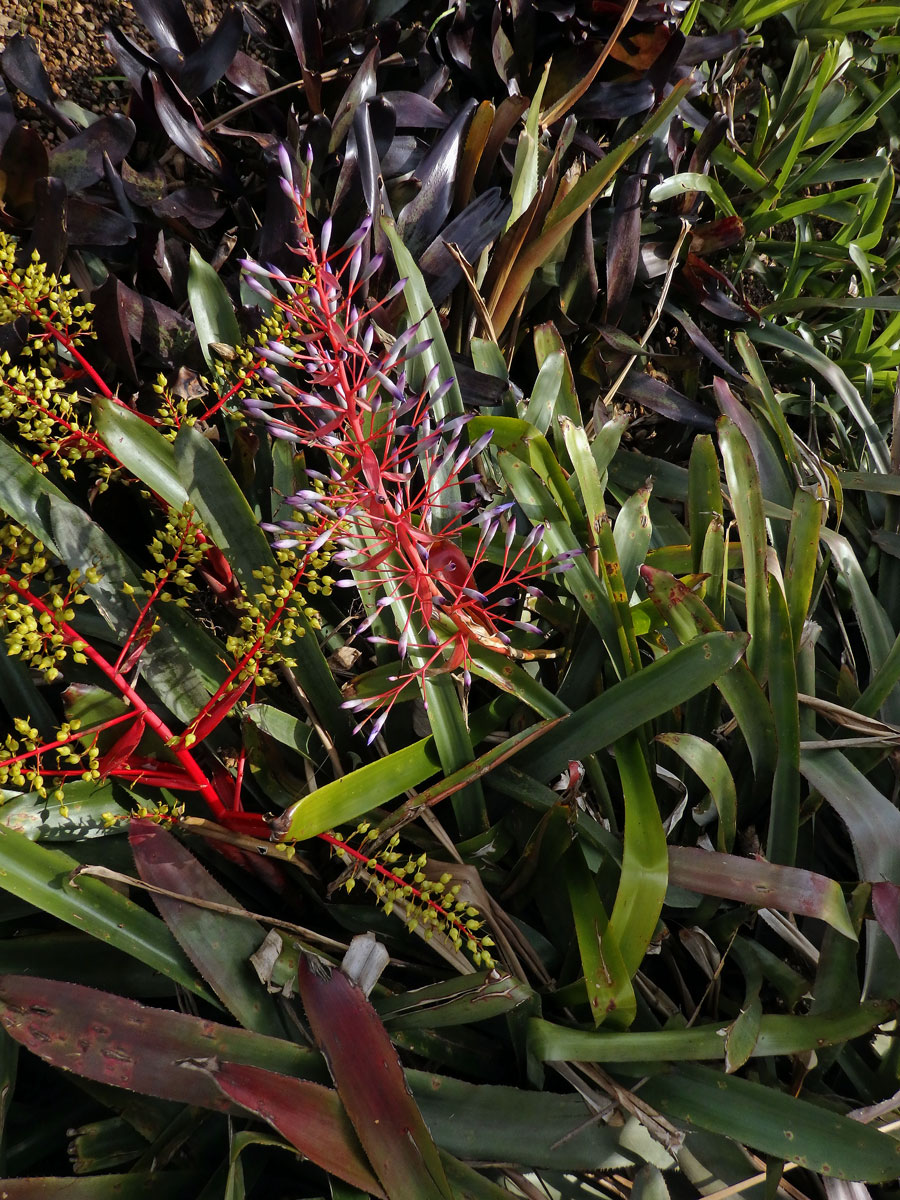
[(113, 1040), (219, 945), (370, 1081), (765, 884), (309, 1116), (886, 906)]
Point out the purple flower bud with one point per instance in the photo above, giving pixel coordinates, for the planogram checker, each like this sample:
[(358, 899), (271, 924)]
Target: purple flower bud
[(357, 236), (284, 543), (284, 162), (377, 726), (396, 290), (478, 597), (534, 537), (325, 237), (467, 678), (527, 627), (374, 264), (285, 433), (403, 643)]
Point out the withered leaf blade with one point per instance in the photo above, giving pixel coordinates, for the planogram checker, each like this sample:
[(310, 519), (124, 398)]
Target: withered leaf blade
[(78, 162), (370, 1081), (309, 1116), (113, 1040)]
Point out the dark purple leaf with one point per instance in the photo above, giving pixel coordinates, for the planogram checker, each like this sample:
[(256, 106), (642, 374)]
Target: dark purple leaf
[(111, 325), (472, 231), (362, 87), (578, 284), (403, 157), (435, 84), (360, 188), (309, 1116), (371, 1084), (7, 114), (699, 49), (302, 21), (182, 124), (157, 329), (22, 66), (79, 161), (415, 112), (49, 236), (611, 101), (701, 341), (479, 390), (90, 225), (248, 75), (207, 65), (167, 21), (716, 128), (196, 205), (130, 58), (279, 233), (117, 188), (660, 397), (623, 247), (23, 162), (145, 188), (420, 221), (662, 70), (886, 907)]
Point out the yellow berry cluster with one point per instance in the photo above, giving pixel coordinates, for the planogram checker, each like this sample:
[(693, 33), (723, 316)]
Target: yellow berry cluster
[(47, 411), (235, 373), (277, 614), (23, 764), (32, 623), (435, 904), (178, 550)]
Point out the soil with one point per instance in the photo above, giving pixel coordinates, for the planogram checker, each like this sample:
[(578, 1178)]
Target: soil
[(69, 37)]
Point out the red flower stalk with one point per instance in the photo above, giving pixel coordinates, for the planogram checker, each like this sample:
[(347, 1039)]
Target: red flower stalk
[(387, 477)]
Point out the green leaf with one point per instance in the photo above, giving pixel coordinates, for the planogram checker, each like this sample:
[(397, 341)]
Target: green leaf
[(771, 1122), (610, 994), (40, 876), (211, 307), (180, 662), (642, 697), (224, 509), (141, 448), (710, 765), (693, 181), (645, 862), (784, 814), (778, 1034), (281, 726), (746, 501)]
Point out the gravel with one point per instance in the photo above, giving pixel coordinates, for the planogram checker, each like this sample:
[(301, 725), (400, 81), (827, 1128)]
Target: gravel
[(69, 37)]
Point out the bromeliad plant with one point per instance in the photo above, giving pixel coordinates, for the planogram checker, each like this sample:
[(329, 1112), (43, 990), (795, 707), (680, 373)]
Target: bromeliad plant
[(387, 467)]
